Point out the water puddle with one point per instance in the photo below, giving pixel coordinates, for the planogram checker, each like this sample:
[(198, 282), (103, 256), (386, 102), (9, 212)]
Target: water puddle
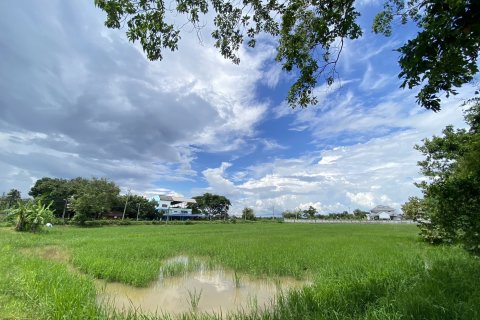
[(202, 290), (185, 285)]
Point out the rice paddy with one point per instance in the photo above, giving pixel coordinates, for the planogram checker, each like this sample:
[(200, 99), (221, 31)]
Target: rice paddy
[(353, 271)]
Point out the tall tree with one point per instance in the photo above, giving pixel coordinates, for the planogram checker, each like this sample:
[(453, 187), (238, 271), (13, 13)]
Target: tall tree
[(213, 205), (415, 208), (136, 205), (310, 212), (292, 214), (443, 56), (3, 203), (60, 192), (248, 214), (55, 191), (360, 214), (452, 191), (12, 197), (94, 198)]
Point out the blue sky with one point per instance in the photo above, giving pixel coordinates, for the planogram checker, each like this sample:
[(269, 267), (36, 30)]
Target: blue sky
[(78, 99)]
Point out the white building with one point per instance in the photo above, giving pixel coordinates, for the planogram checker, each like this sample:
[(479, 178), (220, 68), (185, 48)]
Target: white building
[(382, 212), (175, 208)]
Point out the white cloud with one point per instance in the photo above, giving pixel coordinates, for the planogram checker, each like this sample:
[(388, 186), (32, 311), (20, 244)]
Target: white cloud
[(367, 2), (85, 101), (379, 170), (328, 159), (317, 205), (272, 75), (374, 80), (269, 145), (336, 185), (216, 180), (364, 199)]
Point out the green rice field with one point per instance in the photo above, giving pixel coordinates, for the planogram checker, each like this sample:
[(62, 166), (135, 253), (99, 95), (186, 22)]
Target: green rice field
[(355, 271)]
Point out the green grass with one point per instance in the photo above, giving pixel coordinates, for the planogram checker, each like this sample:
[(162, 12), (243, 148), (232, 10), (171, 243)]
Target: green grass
[(358, 271)]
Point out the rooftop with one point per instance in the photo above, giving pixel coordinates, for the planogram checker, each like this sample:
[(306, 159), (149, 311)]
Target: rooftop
[(177, 199)]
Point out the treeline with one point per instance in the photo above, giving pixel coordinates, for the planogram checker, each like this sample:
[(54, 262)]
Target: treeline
[(312, 213), (85, 199)]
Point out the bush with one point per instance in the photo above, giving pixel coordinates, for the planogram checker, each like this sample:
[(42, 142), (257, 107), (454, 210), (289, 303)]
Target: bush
[(125, 222), (119, 222), (91, 224), (433, 234)]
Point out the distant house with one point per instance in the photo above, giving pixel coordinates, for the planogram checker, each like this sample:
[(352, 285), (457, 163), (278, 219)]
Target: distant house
[(175, 208), (382, 212)]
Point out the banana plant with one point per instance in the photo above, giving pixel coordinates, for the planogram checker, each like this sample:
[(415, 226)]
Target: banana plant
[(31, 215)]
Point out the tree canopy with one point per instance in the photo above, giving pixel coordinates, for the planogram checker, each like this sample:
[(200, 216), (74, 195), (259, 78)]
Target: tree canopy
[(310, 34), (91, 199), (12, 197), (55, 191), (310, 212), (94, 198), (86, 198), (452, 189), (136, 205), (292, 214), (248, 214), (443, 55), (360, 214), (414, 208), (213, 205)]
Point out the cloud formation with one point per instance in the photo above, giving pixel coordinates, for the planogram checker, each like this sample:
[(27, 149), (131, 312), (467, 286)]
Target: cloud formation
[(78, 99)]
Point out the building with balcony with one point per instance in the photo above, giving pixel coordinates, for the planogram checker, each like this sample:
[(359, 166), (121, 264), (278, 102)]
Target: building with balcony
[(176, 208)]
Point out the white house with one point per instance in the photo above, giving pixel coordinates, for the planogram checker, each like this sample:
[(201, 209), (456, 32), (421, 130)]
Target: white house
[(175, 208), (382, 212)]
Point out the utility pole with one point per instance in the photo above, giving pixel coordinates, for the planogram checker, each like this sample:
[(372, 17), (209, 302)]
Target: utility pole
[(126, 202), (273, 212), (138, 210), (168, 212), (64, 208)]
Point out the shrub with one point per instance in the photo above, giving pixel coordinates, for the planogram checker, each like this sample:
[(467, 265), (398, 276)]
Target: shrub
[(433, 234)]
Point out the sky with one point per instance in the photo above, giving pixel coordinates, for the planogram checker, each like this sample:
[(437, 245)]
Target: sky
[(78, 99)]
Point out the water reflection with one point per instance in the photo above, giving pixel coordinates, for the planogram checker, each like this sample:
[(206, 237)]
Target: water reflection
[(201, 290)]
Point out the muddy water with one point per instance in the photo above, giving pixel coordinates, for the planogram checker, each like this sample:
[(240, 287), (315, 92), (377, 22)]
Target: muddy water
[(202, 290)]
